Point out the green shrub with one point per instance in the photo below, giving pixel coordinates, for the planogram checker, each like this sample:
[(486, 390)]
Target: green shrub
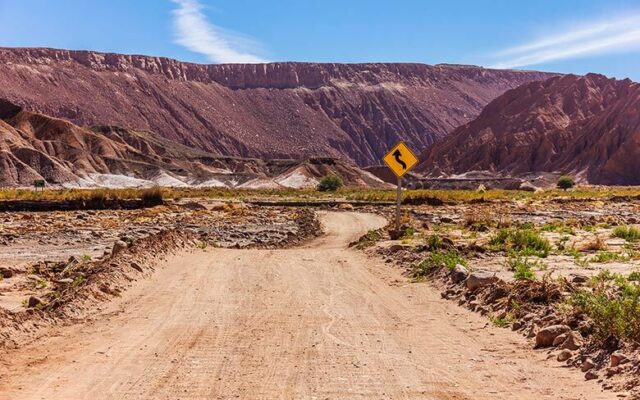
[(369, 239), (609, 256), (522, 267), (526, 241), (612, 315), (438, 259), (330, 183), (565, 182), (628, 233), (434, 242)]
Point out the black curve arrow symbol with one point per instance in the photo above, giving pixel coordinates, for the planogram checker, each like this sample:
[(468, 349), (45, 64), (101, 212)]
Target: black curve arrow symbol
[(397, 155)]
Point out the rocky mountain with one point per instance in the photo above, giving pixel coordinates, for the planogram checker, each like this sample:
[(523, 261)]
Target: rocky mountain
[(34, 146), (588, 126), (278, 110)]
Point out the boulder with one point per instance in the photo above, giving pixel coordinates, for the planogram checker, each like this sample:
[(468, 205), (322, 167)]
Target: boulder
[(587, 365), (564, 355), (6, 273), (118, 247), (573, 341), (459, 273), (33, 301), (478, 279), (591, 375), (559, 340), (618, 358), (546, 336)]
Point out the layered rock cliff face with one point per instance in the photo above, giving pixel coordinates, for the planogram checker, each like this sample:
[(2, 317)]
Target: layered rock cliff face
[(588, 126), (292, 110), (34, 146)]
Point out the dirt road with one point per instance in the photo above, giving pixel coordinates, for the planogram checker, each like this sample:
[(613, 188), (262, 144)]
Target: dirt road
[(321, 321)]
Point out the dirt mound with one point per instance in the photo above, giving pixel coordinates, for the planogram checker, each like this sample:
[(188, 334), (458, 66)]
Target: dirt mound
[(279, 110), (581, 125)]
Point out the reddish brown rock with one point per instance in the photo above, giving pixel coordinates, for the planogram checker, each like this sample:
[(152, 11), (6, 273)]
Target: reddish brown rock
[(580, 125), (278, 110)]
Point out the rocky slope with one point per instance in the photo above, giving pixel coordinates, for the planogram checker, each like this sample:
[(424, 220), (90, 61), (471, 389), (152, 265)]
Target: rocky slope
[(279, 110), (35, 146), (588, 126)]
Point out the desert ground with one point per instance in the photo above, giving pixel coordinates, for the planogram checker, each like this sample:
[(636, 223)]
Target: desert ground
[(476, 297)]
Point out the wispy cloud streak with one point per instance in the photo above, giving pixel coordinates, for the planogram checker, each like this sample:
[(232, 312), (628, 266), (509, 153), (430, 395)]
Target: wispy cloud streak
[(613, 35), (193, 31)]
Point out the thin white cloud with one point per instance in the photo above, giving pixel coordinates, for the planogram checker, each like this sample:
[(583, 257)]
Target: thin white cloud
[(613, 35), (194, 32)]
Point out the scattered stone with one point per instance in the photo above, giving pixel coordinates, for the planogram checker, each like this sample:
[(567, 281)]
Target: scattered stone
[(459, 273), (564, 355), (559, 340), (136, 266), (573, 341), (578, 278), (33, 302), (6, 273), (618, 358), (590, 375), (546, 336), (118, 246), (587, 365), (478, 279)]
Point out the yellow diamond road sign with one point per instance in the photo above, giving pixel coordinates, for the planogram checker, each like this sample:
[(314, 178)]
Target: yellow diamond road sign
[(400, 159)]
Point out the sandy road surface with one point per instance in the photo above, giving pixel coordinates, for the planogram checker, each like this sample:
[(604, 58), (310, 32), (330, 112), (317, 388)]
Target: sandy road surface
[(319, 322)]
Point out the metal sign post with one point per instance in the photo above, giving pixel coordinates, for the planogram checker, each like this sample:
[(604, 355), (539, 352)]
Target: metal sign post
[(400, 159), (398, 202)]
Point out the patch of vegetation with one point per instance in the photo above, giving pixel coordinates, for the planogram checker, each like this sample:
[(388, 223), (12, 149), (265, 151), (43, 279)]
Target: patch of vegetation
[(528, 242), (369, 239), (614, 312), (596, 243), (85, 257), (434, 242), (438, 259), (628, 233), (565, 182), (522, 267), (152, 197), (562, 243), (609, 256), (558, 228), (330, 183), (79, 280), (503, 322)]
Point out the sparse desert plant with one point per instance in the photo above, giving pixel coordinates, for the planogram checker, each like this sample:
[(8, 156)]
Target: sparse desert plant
[(434, 242), (609, 256), (503, 322), (614, 313), (522, 267), (565, 182), (526, 241), (438, 259), (152, 197), (596, 243), (330, 183), (628, 233), (369, 239)]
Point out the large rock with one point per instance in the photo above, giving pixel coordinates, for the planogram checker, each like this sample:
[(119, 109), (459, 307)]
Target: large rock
[(118, 247), (478, 279), (572, 342), (546, 336), (459, 274)]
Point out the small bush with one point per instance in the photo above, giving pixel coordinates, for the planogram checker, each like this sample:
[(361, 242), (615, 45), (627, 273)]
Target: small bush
[(152, 197), (330, 183), (628, 233), (526, 241), (369, 239), (522, 267), (565, 182), (434, 242), (616, 315), (609, 256), (595, 244), (438, 259)]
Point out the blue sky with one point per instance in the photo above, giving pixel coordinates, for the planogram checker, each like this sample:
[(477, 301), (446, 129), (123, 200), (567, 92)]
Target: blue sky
[(576, 36)]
